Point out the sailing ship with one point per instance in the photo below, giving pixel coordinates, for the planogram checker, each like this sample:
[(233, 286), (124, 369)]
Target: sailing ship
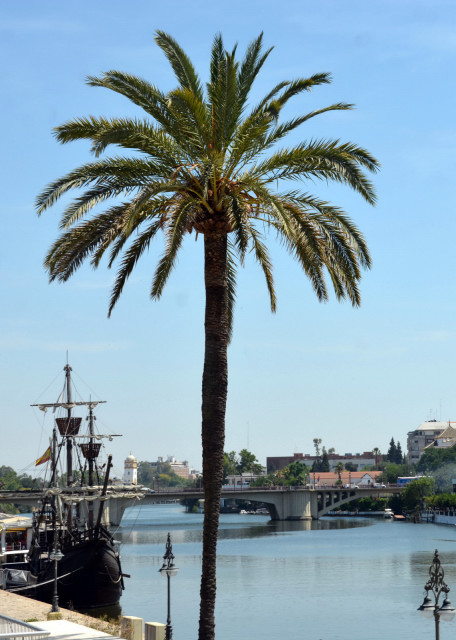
[(69, 524)]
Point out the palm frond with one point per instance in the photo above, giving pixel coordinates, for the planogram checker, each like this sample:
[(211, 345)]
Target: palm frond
[(263, 259), (231, 287), (181, 64), (138, 91), (175, 232), (286, 127), (191, 114), (125, 132), (238, 216), (329, 214), (115, 173), (298, 86), (130, 260), (153, 208), (225, 107), (260, 107), (323, 159), (217, 55), (251, 66), (71, 249)]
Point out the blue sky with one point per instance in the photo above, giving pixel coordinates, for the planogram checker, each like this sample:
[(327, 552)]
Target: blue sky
[(353, 377)]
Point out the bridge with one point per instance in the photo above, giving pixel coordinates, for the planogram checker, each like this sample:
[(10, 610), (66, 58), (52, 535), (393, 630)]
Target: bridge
[(283, 503)]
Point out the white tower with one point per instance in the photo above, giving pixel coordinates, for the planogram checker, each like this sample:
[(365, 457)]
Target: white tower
[(130, 470)]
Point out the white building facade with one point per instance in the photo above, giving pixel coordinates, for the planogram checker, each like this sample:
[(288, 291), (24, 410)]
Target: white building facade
[(130, 470)]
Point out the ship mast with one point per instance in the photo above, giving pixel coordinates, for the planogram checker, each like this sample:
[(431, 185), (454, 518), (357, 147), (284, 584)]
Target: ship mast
[(91, 459), (69, 441)]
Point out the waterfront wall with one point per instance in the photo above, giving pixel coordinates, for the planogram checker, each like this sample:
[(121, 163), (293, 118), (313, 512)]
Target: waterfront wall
[(439, 517)]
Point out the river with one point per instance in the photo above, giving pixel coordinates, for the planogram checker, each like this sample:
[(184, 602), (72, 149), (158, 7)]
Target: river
[(334, 579)]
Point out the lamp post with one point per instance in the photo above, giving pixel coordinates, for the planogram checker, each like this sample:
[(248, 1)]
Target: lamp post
[(56, 555), (169, 570), (437, 586)]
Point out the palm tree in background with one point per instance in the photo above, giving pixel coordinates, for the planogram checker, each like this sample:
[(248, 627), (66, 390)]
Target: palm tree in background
[(376, 452), (338, 469), (203, 164)]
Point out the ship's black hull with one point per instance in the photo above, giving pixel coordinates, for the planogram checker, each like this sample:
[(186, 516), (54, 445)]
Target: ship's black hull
[(94, 580), (89, 577)]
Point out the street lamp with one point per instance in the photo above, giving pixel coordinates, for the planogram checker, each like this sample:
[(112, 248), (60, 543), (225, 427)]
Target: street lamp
[(169, 570), (56, 555), (437, 586)]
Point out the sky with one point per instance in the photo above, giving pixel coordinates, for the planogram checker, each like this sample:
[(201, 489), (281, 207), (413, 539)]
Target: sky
[(352, 377)]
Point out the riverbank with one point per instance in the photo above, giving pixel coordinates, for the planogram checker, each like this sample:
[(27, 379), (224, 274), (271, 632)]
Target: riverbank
[(29, 610)]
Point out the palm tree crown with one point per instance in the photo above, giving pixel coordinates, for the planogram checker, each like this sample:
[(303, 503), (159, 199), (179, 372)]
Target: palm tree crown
[(202, 166), (202, 162)]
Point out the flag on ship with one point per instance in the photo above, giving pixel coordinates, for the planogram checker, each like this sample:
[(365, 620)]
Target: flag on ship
[(44, 458)]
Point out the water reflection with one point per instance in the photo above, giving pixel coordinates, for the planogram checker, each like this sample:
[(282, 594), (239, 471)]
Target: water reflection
[(233, 526)]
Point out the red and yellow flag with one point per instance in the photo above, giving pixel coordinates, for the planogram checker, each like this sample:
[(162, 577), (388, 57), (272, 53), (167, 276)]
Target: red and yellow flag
[(44, 458)]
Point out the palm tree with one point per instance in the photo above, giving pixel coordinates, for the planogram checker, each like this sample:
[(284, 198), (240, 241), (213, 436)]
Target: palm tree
[(338, 469), (202, 164), (376, 452)]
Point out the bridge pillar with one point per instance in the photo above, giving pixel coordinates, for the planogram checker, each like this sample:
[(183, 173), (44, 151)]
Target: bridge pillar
[(114, 510), (293, 505)]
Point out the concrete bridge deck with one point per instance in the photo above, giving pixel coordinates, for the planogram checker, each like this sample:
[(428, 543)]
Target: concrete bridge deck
[(283, 503)]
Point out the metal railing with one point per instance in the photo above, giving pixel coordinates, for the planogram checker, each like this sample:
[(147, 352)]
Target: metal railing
[(11, 628)]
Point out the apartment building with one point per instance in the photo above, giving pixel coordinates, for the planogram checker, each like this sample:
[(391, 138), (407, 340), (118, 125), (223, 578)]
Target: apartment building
[(420, 438)]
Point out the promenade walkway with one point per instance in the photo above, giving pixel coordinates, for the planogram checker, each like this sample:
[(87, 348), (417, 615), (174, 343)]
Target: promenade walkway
[(24, 609)]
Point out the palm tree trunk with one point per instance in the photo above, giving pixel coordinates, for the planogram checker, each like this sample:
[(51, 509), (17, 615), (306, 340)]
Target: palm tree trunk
[(215, 386)]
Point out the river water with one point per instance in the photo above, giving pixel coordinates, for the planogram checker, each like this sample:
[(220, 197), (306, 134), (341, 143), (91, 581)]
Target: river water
[(335, 579)]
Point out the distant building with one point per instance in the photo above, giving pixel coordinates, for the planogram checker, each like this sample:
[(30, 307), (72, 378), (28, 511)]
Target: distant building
[(242, 480), (181, 469), (426, 434), (130, 470), (352, 478), (360, 460)]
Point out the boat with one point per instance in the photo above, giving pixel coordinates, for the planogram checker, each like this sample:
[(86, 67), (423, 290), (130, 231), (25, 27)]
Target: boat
[(15, 537), (388, 513), (68, 536)]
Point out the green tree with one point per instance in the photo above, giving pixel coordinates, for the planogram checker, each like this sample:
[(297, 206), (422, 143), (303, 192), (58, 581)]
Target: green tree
[(392, 471), (248, 463), (159, 474), (230, 464), (9, 479), (391, 456), (399, 457), (204, 163), (443, 477), (416, 491), (434, 458), (295, 474), (324, 466)]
